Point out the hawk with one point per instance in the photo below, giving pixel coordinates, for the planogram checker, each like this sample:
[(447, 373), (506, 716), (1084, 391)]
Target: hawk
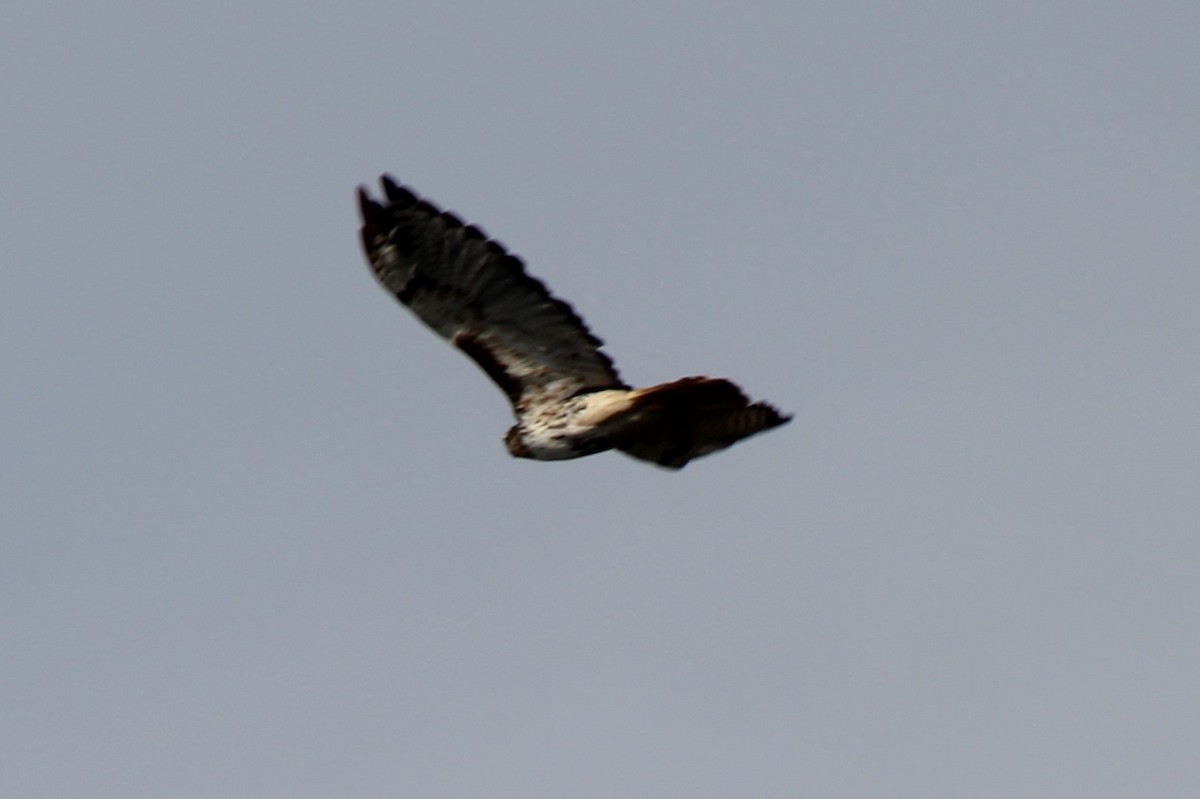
[(565, 392)]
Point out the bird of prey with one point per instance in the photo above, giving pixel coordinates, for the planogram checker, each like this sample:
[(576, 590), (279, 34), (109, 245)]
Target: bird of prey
[(565, 392)]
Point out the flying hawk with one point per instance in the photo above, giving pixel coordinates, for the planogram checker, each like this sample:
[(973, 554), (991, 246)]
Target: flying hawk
[(566, 395)]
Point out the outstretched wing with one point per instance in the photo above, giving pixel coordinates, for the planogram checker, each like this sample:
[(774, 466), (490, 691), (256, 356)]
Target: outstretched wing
[(474, 293), (692, 417)]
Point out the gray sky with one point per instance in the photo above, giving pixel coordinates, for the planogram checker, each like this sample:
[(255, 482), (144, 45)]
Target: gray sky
[(261, 537)]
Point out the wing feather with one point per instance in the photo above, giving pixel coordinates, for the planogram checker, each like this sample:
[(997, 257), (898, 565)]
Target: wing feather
[(470, 290), (692, 417)]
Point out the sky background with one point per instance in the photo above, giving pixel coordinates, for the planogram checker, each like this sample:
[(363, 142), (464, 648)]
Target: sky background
[(261, 537)]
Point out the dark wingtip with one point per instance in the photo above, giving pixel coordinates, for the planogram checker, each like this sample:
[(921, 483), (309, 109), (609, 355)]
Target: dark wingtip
[(364, 200), (776, 418), (396, 194), (373, 214)]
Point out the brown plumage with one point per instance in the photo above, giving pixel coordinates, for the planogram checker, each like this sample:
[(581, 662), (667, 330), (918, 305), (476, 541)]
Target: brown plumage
[(565, 392)]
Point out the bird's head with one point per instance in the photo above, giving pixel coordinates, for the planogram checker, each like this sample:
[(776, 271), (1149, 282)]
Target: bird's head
[(516, 444)]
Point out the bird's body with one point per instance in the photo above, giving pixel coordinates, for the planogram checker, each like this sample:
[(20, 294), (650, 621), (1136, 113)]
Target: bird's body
[(577, 426), (565, 392)]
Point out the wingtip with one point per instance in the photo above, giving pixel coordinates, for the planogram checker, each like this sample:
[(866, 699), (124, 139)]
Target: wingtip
[(773, 416), (395, 193), (373, 214)]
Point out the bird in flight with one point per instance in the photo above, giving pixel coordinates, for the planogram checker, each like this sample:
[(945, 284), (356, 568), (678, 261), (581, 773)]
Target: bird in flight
[(565, 392)]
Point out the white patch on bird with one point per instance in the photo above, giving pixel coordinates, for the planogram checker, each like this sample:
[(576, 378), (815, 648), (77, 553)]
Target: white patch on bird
[(579, 425)]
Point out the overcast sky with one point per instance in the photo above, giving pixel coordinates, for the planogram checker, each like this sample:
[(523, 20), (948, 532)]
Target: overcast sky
[(261, 537)]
